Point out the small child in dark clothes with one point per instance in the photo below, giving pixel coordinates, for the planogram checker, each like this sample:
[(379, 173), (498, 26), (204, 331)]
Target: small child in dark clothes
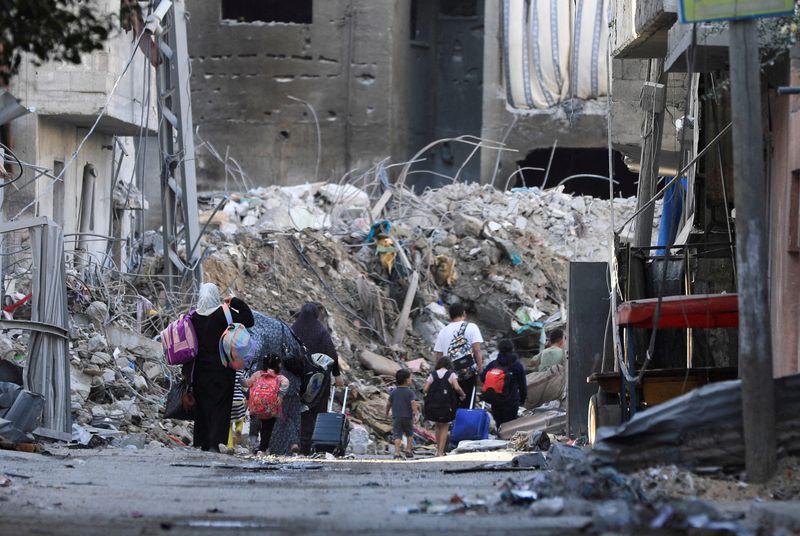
[(405, 410)]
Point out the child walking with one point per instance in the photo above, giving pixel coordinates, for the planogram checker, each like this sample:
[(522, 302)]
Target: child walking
[(238, 414), (405, 410), (267, 389)]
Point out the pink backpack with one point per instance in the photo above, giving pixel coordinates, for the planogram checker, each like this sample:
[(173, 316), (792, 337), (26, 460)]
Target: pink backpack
[(180, 340), (265, 400)]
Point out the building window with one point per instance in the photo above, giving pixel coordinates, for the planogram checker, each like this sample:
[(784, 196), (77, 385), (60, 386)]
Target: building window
[(287, 11), (459, 8)]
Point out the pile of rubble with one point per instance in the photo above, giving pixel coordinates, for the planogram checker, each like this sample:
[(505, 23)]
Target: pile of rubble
[(119, 382), (503, 254), (384, 263)]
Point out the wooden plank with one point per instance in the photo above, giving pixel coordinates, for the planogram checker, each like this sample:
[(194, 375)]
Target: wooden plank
[(402, 321), (376, 210), (755, 340)]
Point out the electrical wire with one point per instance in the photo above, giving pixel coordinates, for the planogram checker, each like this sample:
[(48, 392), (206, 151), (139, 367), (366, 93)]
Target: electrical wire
[(19, 164)]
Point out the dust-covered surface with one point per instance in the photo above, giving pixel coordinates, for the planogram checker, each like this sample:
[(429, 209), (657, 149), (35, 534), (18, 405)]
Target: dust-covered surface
[(675, 482)]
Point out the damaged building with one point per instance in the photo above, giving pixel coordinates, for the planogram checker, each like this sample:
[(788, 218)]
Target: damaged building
[(313, 90), (81, 167)]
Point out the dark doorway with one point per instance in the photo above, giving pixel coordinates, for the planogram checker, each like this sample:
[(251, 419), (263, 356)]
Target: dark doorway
[(568, 162), (446, 89), (290, 11)]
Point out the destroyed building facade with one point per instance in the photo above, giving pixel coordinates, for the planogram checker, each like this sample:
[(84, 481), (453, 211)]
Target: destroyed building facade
[(358, 82), (88, 193)]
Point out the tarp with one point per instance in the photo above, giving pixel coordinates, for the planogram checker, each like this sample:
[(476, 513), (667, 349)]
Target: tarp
[(47, 370), (545, 386), (554, 50)]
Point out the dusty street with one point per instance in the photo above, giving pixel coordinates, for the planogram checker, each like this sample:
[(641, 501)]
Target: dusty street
[(181, 491), (161, 491)]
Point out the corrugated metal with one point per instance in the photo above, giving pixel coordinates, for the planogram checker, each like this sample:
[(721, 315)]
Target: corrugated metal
[(701, 428), (47, 369)]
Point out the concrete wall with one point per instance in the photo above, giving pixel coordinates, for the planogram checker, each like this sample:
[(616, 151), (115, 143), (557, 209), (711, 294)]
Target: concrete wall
[(784, 210), (583, 125), (342, 65)]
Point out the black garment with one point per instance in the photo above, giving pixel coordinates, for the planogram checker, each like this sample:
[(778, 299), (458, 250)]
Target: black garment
[(467, 386), (315, 336), (506, 410), (266, 433), (213, 382), (504, 413), (317, 340), (308, 419)]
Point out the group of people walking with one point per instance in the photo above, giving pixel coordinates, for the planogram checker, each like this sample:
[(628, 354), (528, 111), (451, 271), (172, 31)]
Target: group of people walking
[(220, 390)]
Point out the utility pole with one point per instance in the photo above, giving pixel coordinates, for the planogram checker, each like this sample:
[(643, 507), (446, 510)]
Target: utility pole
[(653, 103), (176, 143), (755, 339)]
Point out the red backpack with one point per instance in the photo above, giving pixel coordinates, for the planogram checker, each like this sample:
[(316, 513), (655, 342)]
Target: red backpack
[(265, 399), (497, 385)]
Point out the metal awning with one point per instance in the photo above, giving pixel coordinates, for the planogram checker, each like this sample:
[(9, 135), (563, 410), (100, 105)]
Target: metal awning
[(701, 311)]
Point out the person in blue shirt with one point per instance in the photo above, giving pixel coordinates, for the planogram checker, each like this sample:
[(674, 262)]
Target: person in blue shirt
[(505, 407)]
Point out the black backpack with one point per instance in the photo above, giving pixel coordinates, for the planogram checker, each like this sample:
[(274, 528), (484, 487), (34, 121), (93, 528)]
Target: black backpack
[(440, 400), (314, 380)]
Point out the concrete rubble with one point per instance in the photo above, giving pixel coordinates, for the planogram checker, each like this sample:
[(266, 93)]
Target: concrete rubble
[(503, 254)]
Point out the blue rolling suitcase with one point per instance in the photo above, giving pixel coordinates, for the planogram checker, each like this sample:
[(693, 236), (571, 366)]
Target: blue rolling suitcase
[(331, 430), (470, 424)]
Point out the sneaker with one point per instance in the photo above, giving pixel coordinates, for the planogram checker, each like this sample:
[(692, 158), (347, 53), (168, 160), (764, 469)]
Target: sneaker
[(409, 454), (225, 449)]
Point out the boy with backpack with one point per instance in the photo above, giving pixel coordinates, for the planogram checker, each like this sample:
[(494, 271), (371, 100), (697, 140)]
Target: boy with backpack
[(405, 410), (504, 384), (267, 389)]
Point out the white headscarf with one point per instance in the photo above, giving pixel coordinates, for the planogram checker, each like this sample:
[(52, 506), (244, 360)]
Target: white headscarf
[(208, 300)]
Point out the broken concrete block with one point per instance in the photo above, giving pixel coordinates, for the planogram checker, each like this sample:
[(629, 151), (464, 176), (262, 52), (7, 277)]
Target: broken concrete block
[(97, 313), (122, 362), (418, 365), (136, 344), (109, 376), (80, 384), (562, 455), (6, 348), (152, 371), (465, 225), (139, 382), (377, 363), (101, 358), (97, 344)]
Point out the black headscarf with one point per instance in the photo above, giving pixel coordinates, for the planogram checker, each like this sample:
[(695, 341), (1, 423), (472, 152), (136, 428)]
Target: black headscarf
[(315, 335)]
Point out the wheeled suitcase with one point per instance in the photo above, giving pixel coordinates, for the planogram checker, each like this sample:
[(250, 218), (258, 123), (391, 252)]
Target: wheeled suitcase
[(470, 424), (331, 430)]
